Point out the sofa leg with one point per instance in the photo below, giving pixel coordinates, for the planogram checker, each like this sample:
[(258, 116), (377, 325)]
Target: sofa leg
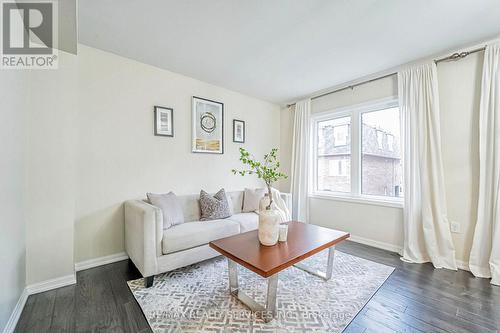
[(148, 281)]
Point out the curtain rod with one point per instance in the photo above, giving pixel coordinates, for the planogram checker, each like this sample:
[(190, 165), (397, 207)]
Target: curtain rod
[(453, 57), (459, 55)]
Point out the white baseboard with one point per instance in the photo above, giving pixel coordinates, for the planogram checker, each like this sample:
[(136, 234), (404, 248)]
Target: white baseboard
[(91, 263), (56, 283), (16, 313), (32, 289), (377, 244), (59, 282)]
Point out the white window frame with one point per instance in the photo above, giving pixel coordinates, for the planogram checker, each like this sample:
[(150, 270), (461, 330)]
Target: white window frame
[(354, 112)]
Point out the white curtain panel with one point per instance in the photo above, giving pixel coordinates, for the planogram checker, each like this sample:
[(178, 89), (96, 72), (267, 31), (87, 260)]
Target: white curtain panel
[(300, 160), (485, 253), (427, 235)]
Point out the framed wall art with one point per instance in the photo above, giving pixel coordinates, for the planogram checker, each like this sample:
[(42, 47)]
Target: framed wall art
[(208, 126), (164, 121), (238, 131)]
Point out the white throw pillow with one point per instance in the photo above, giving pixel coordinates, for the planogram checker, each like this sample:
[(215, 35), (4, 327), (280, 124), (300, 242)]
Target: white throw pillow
[(230, 205), (252, 198), (170, 208)]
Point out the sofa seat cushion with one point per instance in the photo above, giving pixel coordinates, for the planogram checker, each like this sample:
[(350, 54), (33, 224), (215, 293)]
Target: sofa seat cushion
[(192, 234), (247, 221)]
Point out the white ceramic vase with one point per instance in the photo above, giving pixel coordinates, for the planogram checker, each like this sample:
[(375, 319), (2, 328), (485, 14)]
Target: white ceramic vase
[(269, 224)]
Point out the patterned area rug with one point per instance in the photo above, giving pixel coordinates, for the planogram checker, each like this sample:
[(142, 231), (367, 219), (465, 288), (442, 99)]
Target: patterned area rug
[(196, 298)]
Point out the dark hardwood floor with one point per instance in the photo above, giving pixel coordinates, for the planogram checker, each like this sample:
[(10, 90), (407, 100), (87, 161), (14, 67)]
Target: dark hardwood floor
[(415, 298)]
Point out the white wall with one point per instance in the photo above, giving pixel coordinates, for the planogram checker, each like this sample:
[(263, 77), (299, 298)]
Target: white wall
[(13, 89), (119, 158), (50, 172), (382, 225), (37, 178), (459, 89)]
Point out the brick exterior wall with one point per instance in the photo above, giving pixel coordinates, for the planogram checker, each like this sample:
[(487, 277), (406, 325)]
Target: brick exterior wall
[(380, 175), (329, 182)]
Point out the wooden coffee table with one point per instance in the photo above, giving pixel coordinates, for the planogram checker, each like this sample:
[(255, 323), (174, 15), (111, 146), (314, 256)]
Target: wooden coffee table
[(303, 241)]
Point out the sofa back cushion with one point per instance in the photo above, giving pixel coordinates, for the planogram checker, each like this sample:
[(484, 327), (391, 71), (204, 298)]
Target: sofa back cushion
[(170, 207), (191, 206), (251, 199), (236, 200)]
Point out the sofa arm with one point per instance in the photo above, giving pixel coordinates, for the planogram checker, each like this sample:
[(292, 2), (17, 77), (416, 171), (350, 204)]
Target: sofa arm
[(287, 198), (143, 235)]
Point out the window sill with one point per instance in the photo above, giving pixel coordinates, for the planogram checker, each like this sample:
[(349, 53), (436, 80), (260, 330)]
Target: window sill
[(396, 203)]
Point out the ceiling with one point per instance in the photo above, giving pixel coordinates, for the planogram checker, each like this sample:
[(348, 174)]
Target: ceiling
[(281, 50)]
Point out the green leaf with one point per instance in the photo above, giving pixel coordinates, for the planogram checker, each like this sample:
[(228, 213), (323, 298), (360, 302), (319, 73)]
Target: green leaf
[(267, 170)]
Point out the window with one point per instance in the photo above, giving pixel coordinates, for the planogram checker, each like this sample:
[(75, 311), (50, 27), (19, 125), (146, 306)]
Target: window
[(381, 167), (357, 153), (333, 155)]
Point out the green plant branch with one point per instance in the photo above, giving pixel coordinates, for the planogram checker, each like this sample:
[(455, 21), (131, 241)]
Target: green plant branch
[(267, 171)]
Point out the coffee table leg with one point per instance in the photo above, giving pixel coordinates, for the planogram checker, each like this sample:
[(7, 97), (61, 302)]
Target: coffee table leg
[(329, 266), (269, 311), (233, 276), (272, 290)]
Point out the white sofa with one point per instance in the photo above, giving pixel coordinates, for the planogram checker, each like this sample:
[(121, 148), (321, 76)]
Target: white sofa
[(154, 250)]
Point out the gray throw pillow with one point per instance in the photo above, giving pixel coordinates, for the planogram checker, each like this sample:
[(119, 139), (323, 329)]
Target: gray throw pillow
[(214, 207), (170, 208)]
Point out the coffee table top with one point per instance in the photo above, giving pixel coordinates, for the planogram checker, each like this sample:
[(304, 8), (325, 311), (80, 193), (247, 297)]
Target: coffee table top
[(303, 241)]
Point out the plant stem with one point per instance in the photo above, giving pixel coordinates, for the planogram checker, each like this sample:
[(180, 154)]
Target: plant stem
[(270, 194)]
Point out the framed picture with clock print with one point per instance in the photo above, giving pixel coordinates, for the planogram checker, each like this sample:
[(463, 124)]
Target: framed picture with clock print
[(208, 126)]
